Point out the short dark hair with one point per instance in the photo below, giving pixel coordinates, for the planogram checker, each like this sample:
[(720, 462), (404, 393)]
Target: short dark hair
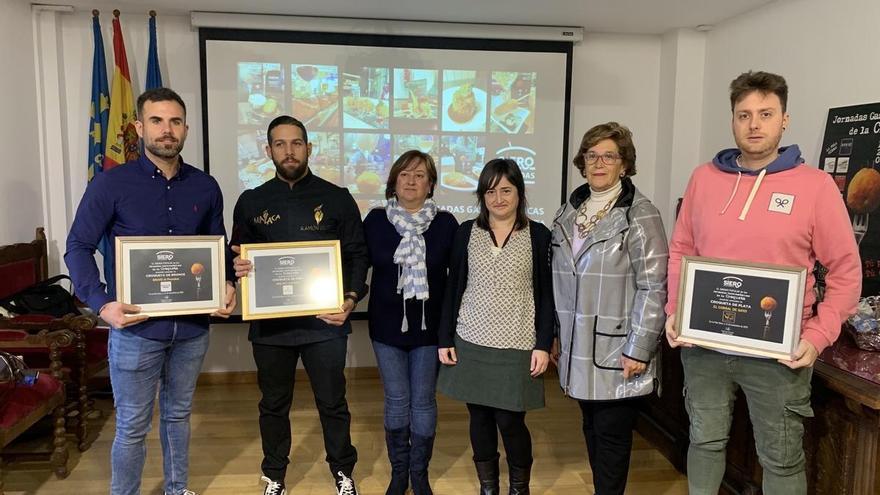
[(286, 120), (491, 175), (403, 162), (622, 137), (158, 94), (763, 82)]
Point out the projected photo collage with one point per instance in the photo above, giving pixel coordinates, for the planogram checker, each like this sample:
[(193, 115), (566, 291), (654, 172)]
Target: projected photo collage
[(360, 118)]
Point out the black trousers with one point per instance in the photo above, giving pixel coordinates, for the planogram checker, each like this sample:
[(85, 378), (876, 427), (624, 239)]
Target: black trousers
[(608, 430), (485, 424), (276, 368)]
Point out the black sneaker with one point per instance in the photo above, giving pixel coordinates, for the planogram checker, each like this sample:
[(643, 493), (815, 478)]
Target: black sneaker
[(344, 485), (273, 487)]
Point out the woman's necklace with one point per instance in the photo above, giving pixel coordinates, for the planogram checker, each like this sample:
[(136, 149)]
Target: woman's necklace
[(584, 224)]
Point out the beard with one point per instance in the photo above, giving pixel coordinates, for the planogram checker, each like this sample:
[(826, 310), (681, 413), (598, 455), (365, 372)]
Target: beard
[(767, 146), (291, 173), (165, 148)]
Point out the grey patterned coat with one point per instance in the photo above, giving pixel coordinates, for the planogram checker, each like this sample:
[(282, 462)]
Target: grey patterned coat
[(609, 296)]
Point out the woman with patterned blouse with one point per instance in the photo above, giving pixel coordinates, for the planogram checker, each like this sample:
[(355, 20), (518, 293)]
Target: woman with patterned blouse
[(496, 328)]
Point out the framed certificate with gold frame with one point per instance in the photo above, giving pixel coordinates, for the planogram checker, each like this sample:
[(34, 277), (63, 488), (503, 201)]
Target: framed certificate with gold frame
[(171, 275), (292, 279), (747, 308)]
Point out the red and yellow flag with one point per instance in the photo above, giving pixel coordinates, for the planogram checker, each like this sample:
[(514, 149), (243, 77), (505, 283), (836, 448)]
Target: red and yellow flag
[(122, 138)]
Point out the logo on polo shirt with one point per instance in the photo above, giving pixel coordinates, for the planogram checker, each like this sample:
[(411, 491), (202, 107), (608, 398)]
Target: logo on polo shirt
[(319, 214), (266, 218)]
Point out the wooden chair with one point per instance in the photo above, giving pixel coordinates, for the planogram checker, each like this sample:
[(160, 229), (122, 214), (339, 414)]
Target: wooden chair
[(26, 405), (22, 265), (74, 363)]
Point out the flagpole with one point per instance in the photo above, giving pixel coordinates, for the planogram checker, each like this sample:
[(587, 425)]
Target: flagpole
[(99, 109), (154, 74)]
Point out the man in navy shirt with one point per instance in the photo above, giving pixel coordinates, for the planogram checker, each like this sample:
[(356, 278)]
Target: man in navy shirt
[(157, 194)]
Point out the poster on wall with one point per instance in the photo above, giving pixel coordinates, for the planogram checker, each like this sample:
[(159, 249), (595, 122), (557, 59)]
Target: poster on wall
[(851, 154)]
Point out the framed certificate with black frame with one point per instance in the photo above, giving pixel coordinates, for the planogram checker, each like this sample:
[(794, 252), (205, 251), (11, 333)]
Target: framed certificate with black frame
[(292, 279), (747, 308), (171, 275)]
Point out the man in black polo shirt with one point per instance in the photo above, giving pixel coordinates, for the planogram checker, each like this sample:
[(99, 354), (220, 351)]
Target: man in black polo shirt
[(298, 206)]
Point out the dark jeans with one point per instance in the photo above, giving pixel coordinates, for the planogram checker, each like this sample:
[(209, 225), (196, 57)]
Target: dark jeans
[(409, 377), (276, 368), (487, 421), (608, 430)]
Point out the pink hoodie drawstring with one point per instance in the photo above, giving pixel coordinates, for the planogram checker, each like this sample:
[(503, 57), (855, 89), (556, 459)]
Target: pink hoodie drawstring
[(745, 210), (732, 194)]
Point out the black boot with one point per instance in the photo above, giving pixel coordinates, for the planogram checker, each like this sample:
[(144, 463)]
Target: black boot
[(519, 479), (420, 456), (487, 473), (398, 454)]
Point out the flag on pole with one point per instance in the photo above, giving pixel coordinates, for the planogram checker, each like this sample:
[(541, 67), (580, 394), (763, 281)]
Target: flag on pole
[(100, 105), (99, 111), (122, 138), (154, 74)]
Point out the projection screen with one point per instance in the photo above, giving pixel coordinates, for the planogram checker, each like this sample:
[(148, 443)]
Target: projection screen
[(365, 99)]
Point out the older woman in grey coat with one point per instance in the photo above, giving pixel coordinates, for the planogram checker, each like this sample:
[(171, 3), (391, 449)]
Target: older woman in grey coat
[(609, 282)]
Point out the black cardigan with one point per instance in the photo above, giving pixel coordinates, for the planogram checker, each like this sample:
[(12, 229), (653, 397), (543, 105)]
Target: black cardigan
[(541, 283)]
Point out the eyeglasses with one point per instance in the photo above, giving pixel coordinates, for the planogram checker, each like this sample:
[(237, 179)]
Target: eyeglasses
[(608, 158)]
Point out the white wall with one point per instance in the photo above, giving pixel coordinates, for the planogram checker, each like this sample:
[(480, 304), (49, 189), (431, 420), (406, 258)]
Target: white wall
[(617, 77), (683, 58), (20, 188), (827, 51)]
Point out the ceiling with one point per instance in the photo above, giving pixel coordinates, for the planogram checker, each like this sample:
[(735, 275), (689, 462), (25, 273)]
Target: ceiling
[(614, 16)]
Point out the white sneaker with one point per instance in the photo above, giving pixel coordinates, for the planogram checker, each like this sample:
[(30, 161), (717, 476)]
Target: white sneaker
[(186, 492), (345, 485), (273, 487)]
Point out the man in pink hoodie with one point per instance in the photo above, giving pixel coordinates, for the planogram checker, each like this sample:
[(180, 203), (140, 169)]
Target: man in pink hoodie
[(760, 203)]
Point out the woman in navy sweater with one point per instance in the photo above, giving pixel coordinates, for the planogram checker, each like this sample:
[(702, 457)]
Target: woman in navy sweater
[(409, 243)]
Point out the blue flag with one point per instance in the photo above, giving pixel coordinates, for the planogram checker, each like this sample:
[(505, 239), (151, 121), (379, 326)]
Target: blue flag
[(99, 110), (99, 113), (154, 75)]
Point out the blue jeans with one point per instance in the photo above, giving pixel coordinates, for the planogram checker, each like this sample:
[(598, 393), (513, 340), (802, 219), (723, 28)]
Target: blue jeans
[(410, 381), (778, 399), (137, 367)]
